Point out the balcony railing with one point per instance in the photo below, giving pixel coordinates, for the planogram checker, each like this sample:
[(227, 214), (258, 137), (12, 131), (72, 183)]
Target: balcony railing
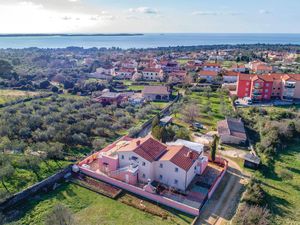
[(289, 86), (257, 93)]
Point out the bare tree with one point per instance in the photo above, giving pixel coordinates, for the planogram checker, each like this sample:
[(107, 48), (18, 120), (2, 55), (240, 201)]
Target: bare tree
[(191, 112), (60, 215)]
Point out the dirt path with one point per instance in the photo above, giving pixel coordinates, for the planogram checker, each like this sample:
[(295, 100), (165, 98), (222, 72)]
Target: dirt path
[(222, 206)]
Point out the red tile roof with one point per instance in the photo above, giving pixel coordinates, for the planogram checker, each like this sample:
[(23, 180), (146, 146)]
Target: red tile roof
[(269, 77), (231, 73), (211, 64), (163, 90), (148, 148), (181, 156), (208, 73)]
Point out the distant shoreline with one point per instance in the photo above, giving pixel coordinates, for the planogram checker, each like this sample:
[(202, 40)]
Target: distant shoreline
[(69, 35)]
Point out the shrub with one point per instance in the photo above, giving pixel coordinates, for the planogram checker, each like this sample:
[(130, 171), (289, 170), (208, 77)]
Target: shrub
[(254, 194), (249, 215), (60, 215), (285, 174)]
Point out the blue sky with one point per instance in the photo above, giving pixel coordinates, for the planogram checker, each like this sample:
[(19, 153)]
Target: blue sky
[(111, 16)]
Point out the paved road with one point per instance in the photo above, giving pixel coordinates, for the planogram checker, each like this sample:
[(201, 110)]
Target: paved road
[(222, 206)]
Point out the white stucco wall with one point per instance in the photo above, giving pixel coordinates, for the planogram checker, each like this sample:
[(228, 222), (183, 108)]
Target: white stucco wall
[(169, 174), (146, 169)]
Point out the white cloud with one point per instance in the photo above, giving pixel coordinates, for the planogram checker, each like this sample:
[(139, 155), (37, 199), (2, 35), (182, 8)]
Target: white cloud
[(264, 11), (215, 13), (29, 17), (145, 10)]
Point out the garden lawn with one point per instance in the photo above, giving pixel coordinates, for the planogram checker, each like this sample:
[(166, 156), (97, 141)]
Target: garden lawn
[(209, 120), (90, 208), (283, 192)]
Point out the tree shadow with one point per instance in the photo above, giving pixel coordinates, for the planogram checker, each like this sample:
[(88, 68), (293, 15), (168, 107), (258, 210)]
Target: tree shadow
[(277, 204)]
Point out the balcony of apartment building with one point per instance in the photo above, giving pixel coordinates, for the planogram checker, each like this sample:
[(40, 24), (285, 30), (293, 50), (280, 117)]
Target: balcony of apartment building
[(258, 86), (290, 85)]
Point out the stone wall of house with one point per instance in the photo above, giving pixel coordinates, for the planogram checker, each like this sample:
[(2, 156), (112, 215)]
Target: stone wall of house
[(44, 185)]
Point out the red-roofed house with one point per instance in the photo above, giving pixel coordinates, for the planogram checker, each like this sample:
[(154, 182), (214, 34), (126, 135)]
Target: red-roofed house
[(212, 66), (230, 77), (177, 76), (208, 75), (139, 160), (152, 74), (124, 73), (265, 87), (159, 93)]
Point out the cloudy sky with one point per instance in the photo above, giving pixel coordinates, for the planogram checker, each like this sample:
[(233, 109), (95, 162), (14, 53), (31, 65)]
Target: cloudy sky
[(114, 16)]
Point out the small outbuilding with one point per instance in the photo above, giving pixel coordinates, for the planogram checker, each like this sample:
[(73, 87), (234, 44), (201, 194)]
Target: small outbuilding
[(251, 161), (166, 120), (232, 131)]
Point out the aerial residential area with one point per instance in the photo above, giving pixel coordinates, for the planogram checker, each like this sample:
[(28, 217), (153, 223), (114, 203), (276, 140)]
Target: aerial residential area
[(149, 112), (162, 144)]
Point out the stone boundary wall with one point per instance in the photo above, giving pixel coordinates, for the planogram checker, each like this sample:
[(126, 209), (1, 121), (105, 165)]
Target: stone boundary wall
[(48, 183)]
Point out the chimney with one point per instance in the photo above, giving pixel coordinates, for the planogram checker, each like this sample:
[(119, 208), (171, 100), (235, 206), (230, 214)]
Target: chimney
[(138, 142), (190, 155)]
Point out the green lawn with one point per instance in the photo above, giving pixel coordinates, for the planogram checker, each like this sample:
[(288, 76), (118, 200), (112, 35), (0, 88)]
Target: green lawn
[(209, 119), (160, 105), (283, 194), (90, 208)]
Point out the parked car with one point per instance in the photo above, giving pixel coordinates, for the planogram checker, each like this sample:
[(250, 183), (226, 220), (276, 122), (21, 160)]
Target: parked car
[(237, 102), (197, 125), (248, 100)]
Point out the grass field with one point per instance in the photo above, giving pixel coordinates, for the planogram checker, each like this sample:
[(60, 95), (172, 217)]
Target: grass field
[(90, 208), (11, 95), (283, 192), (208, 119)]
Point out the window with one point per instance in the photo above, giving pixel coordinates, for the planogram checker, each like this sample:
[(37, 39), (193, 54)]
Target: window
[(144, 164), (195, 167), (267, 90), (176, 169), (267, 85), (122, 156), (144, 176), (247, 83), (161, 165), (175, 181), (160, 177), (247, 89)]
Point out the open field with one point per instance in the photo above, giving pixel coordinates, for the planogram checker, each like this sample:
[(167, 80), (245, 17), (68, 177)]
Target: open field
[(208, 118), (11, 95), (283, 191), (94, 208)]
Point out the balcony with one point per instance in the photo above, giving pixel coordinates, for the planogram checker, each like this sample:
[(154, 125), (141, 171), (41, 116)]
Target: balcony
[(256, 93), (258, 86), (289, 86)]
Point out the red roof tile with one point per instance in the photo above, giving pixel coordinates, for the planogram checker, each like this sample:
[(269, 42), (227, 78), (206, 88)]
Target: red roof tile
[(181, 156)]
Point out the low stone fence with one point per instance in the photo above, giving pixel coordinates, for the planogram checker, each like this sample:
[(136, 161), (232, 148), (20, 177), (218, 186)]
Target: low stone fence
[(48, 183)]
